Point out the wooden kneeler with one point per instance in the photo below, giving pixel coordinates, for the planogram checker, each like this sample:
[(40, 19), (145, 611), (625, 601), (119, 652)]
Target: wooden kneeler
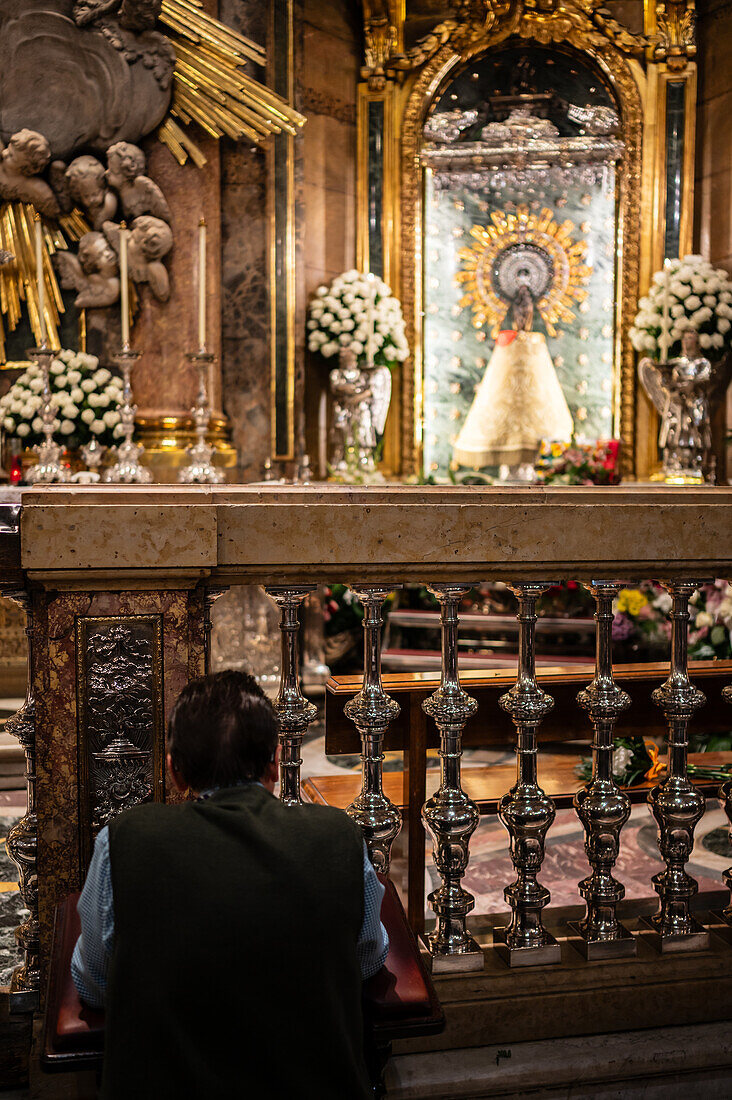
[(399, 1002)]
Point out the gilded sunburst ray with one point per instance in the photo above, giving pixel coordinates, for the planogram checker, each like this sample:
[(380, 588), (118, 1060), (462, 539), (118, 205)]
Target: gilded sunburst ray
[(523, 246)]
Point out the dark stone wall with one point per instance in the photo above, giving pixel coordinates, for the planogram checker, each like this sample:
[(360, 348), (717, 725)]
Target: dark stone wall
[(713, 173), (328, 48), (713, 184), (245, 299)]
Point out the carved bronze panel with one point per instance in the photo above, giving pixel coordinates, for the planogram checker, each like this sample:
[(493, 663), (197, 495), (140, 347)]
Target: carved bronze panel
[(119, 678)]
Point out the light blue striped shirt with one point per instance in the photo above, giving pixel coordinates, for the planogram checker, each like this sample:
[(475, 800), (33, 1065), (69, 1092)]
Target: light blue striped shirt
[(90, 961)]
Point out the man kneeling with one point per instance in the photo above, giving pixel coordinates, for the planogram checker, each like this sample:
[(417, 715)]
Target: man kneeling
[(227, 937)]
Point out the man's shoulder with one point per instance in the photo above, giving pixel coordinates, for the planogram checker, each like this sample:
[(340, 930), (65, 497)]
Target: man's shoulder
[(316, 817), (146, 816)]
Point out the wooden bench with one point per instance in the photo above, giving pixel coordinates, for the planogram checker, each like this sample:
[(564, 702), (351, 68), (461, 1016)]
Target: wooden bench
[(399, 1002), (412, 733)]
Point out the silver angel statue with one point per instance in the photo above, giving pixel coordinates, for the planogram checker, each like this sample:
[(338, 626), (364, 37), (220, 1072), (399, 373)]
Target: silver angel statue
[(361, 399), (685, 391)]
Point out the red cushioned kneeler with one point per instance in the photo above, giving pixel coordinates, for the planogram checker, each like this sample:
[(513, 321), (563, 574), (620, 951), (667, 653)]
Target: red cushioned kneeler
[(73, 1035), (399, 1001)]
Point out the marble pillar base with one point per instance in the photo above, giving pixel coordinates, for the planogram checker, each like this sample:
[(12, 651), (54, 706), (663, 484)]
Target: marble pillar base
[(82, 776)]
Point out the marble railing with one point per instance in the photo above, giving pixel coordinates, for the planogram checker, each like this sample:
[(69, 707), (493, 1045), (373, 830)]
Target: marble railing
[(119, 585)]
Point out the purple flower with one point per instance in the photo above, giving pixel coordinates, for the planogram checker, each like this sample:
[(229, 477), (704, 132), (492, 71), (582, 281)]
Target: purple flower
[(623, 627)]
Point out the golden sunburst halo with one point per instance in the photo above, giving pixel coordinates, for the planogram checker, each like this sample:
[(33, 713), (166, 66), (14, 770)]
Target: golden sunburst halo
[(523, 246)]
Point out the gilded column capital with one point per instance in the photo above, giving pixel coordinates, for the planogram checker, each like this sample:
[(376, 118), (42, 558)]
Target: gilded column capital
[(675, 33)]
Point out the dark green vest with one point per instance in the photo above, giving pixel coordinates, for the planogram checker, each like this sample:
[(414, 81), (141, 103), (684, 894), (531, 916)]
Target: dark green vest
[(234, 970)]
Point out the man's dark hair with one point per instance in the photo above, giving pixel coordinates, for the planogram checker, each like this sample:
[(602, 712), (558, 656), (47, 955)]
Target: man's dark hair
[(222, 731)]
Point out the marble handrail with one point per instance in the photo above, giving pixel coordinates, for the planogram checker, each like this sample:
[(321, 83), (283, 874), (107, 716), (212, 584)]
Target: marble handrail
[(304, 534)]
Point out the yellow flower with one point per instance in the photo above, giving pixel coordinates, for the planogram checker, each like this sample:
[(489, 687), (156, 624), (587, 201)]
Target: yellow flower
[(631, 600)]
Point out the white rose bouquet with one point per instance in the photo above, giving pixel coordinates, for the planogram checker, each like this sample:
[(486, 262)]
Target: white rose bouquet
[(697, 296), (86, 398), (352, 310)]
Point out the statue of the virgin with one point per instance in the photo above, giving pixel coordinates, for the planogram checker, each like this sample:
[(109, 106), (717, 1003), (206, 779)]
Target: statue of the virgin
[(518, 403)]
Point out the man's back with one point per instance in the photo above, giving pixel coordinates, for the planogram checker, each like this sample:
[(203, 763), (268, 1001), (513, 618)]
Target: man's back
[(234, 969)]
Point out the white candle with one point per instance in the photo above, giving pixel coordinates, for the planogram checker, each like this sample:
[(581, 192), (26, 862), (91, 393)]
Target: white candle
[(202, 285), (124, 286), (370, 318), (40, 280), (323, 435), (664, 340)]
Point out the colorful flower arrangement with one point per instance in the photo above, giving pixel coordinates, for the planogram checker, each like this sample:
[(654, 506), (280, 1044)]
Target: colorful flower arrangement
[(356, 311), (86, 398), (634, 760), (687, 293), (642, 619), (579, 463)]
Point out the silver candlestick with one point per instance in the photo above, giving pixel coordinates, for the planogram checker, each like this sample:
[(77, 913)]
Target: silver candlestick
[(200, 469), (49, 468), (128, 470), (93, 455)]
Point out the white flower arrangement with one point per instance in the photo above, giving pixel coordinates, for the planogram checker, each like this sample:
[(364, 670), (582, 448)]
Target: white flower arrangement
[(86, 397), (697, 296), (354, 309)]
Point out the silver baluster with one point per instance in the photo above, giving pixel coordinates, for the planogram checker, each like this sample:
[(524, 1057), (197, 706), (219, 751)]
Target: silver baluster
[(526, 811), (371, 711), (675, 803), (601, 806), (211, 595), (22, 841), (725, 797), (450, 816), (294, 712)]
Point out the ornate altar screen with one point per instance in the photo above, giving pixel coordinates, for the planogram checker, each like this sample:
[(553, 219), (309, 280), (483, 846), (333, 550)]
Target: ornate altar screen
[(519, 172), (487, 123)]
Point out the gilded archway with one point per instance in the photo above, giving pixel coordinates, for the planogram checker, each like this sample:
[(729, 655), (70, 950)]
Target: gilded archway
[(609, 47)]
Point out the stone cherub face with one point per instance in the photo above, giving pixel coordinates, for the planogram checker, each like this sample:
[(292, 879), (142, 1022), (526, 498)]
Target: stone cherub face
[(95, 255), (126, 162), (87, 181), (27, 153), (153, 236)]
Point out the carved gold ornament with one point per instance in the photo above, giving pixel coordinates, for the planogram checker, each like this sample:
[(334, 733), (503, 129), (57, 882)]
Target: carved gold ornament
[(523, 248), (676, 26)]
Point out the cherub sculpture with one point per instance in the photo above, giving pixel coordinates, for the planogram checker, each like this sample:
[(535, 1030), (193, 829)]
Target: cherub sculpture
[(138, 194), (21, 161), (94, 273), (138, 15), (685, 391), (149, 241), (86, 179)]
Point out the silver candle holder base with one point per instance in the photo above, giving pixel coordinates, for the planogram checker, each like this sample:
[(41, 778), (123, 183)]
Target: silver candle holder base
[(620, 944), (200, 469), (49, 469), (694, 938), (127, 469)]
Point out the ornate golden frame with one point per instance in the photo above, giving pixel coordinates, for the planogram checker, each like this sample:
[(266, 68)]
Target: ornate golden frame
[(573, 27)]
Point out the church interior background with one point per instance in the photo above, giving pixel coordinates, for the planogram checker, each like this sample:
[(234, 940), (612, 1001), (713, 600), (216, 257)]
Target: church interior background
[(322, 321)]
